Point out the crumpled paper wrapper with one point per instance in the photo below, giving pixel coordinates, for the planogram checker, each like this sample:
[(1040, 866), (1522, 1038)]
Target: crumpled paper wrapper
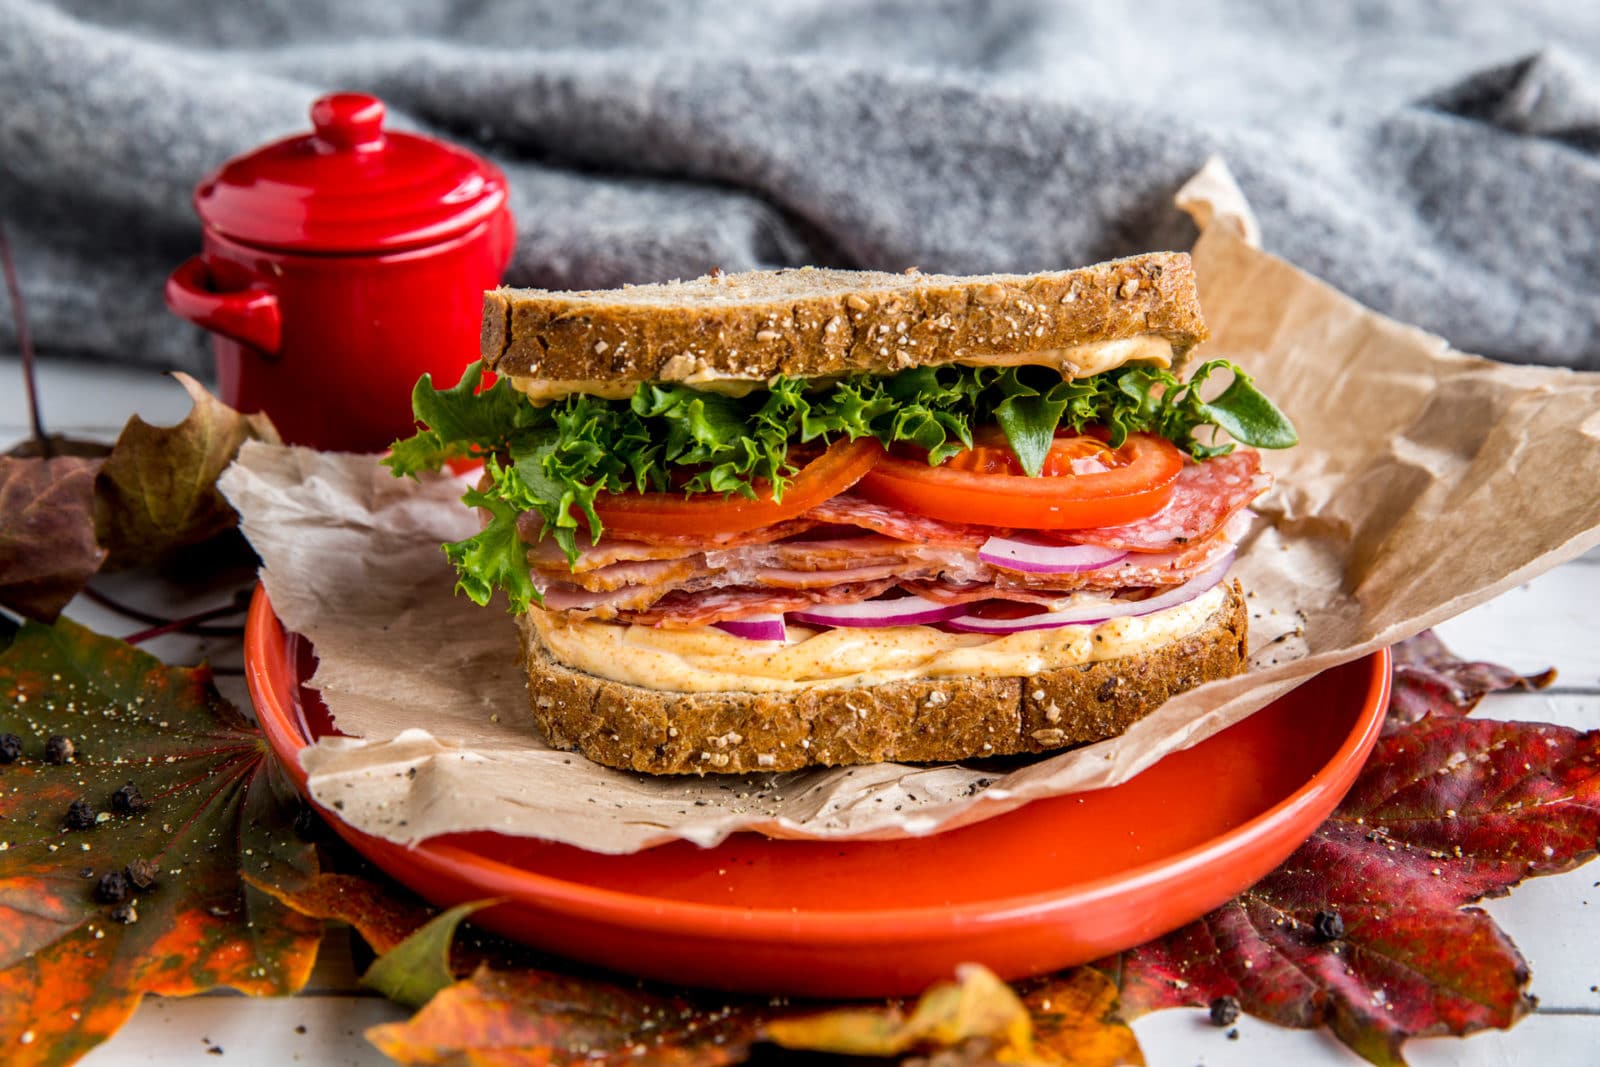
[(1427, 482)]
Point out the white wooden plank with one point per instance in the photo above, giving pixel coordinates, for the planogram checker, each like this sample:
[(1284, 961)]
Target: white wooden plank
[(250, 1032), (1555, 922), (1550, 622), (89, 399), (1185, 1038), (1580, 711)]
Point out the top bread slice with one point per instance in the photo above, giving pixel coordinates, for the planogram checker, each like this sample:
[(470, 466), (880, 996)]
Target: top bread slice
[(814, 322)]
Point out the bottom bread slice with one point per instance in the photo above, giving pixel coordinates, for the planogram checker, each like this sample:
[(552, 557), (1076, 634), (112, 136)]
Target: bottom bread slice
[(912, 721)]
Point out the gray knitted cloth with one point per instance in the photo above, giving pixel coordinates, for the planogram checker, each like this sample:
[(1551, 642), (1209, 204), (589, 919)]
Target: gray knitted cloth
[(1439, 161)]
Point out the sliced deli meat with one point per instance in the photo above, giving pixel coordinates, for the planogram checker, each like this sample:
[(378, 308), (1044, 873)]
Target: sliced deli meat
[(1205, 495), (849, 510), (850, 549)]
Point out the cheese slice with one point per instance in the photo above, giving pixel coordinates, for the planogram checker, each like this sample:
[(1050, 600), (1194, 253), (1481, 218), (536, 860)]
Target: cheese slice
[(1077, 361), (704, 659)]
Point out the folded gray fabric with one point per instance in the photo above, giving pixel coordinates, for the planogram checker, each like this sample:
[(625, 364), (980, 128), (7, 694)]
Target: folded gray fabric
[(1439, 162)]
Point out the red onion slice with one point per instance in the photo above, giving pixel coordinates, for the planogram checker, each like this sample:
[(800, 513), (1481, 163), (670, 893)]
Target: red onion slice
[(1096, 613), (904, 611), (1031, 557), (755, 627)]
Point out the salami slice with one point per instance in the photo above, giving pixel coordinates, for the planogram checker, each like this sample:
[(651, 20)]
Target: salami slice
[(1205, 496), (848, 510)]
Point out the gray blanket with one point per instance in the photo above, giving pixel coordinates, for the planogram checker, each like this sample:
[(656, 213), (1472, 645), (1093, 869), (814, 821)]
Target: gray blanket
[(1439, 161)]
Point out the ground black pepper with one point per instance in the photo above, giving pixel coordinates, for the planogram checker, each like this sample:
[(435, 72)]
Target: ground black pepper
[(112, 888), (10, 748), (57, 749), (1329, 925), (80, 815), (141, 873), (127, 800), (1224, 1011)]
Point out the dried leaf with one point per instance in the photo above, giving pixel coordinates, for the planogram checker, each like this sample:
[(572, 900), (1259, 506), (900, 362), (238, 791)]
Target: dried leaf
[(1447, 810), (1077, 1020), (48, 550), (977, 1008), (383, 914), (411, 972), (158, 489), (1430, 680), (503, 1018), (60, 445), (206, 798)]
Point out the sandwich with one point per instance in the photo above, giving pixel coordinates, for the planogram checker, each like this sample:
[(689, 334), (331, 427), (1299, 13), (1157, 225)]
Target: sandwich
[(777, 519)]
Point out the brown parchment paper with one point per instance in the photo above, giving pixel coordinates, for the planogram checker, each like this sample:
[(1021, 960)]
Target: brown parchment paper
[(1428, 481)]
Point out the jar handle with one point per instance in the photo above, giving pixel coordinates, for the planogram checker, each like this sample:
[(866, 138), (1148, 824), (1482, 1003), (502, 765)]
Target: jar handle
[(248, 315)]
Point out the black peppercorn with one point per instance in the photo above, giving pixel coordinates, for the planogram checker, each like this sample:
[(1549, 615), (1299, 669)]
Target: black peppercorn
[(141, 873), (58, 749), (127, 800), (10, 748), (80, 816), (1224, 1011), (112, 888), (124, 913), (1329, 925)]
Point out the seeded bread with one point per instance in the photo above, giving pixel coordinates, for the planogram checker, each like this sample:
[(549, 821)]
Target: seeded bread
[(812, 322), (927, 720)]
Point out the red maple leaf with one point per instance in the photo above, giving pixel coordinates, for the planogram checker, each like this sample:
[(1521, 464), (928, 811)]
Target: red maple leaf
[(1364, 928)]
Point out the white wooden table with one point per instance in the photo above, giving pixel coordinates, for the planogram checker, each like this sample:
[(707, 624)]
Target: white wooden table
[(1555, 921)]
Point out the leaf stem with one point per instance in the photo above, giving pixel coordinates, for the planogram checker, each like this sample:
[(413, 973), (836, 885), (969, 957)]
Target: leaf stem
[(24, 347), (239, 602)]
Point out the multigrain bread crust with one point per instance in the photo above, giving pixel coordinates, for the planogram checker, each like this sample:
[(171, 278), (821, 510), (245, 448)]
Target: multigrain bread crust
[(926, 720), (812, 322)]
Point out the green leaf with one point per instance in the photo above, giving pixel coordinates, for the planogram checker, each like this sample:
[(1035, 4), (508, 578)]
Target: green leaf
[(1246, 413), (494, 558), (1030, 425), (461, 421), (418, 967)]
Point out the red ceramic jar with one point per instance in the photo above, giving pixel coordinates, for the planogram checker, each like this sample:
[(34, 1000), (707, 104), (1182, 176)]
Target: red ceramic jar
[(338, 267)]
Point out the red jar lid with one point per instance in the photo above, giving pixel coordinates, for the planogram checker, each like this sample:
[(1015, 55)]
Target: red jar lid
[(350, 186)]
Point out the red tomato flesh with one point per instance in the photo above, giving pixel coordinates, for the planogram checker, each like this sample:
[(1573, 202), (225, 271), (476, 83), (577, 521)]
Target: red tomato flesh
[(825, 477), (1085, 483)]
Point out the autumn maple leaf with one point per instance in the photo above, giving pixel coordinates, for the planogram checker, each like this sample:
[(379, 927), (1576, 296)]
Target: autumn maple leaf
[(132, 795)]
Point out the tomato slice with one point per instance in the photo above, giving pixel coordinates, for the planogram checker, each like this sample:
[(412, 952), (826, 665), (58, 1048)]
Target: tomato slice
[(1086, 483), (830, 474)]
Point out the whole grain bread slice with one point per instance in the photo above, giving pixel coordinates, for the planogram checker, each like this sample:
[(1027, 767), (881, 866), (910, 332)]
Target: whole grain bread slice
[(813, 322), (924, 720)]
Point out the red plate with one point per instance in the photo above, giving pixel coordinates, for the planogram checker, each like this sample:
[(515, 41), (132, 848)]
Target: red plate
[(1059, 882)]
